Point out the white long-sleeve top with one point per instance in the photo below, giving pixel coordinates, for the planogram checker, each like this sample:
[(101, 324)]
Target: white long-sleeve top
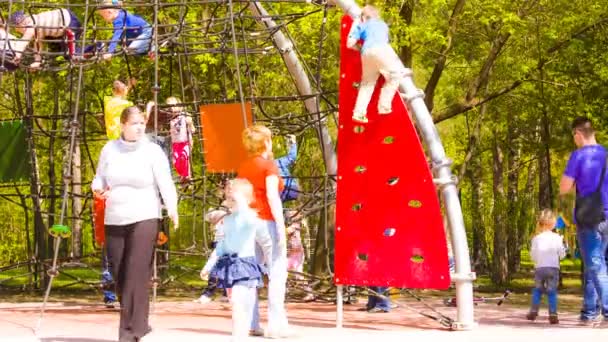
[(547, 249), (11, 43), (135, 173)]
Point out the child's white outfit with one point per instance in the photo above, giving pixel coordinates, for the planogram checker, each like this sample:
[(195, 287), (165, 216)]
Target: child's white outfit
[(377, 58), (234, 265), (546, 252)]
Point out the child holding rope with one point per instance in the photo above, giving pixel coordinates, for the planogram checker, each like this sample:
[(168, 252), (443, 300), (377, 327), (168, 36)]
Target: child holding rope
[(10, 46), (61, 26), (113, 107), (181, 128), (233, 262), (136, 31), (295, 250), (546, 252)]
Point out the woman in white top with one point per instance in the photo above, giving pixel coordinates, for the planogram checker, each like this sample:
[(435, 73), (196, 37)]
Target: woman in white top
[(130, 174)]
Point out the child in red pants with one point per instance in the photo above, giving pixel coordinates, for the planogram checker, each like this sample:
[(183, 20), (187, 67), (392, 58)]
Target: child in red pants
[(181, 129)]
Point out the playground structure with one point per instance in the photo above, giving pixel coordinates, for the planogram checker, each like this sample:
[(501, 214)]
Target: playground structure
[(240, 44)]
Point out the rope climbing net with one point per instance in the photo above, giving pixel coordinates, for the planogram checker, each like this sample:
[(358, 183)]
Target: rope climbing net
[(235, 52), (203, 52)]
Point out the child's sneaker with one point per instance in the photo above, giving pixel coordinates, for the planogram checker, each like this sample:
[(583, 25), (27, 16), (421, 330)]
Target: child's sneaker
[(553, 318), (203, 299), (256, 332), (384, 110), (531, 316), (360, 118), (284, 333), (591, 322)]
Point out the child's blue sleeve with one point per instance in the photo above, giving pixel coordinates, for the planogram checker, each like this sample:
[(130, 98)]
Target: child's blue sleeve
[(355, 32), (119, 26), (213, 258), (285, 162), (292, 154)]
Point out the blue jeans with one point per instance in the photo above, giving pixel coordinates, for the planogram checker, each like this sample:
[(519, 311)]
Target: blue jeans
[(277, 282), (592, 243), (377, 302), (142, 43), (546, 280)]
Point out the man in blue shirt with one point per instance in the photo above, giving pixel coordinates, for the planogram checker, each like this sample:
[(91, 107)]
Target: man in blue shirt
[(584, 171), (137, 32), (377, 58)]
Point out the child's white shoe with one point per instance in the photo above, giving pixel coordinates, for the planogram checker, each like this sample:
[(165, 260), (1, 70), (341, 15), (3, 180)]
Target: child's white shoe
[(360, 118), (256, 332), (284, 333), (203, 300), (384, 110)]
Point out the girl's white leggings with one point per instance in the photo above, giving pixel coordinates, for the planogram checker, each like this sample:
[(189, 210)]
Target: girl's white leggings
[(242, 300)]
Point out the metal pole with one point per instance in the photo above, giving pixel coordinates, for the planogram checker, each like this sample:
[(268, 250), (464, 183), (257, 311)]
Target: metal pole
[(155, 90), (67, 176), (339, 307), (446, 183), (237, 63)]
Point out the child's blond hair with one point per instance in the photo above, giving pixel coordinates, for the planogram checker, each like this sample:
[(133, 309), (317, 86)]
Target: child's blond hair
[(242, 186), (255, 138), (370, 12), (173, 102), (119, 89), (545, 221)]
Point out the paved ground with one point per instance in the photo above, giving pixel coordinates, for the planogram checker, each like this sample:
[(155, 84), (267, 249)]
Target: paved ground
[(187, 321)]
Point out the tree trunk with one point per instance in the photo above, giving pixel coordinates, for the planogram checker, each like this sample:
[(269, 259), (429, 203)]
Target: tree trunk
[(480, 242), (545, 185), (441, 60), (512, 194), (525, 220), (76, 203), (500, 267), (323, 244), (406, 13)]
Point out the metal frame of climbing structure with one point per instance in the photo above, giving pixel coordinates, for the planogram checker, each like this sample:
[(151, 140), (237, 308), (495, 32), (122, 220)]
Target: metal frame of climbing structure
[(445, 181), (311, 95)]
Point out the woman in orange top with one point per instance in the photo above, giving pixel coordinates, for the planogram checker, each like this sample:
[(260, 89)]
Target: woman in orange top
[(261, 171)]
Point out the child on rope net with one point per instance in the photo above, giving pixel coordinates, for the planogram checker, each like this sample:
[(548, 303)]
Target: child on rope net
[(155, 125), (292, 189), (181, 128), (59, 27), (546, 252), (215, 218), (295, 250), (136, 31), (10, 46), (114, 105), (377, 58), (233, 262)]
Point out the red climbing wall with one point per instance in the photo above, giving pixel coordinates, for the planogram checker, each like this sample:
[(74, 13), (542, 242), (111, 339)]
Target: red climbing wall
[(389, 229)]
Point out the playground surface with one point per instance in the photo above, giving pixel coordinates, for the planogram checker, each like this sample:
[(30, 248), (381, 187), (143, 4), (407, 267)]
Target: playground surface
[(188, 321)]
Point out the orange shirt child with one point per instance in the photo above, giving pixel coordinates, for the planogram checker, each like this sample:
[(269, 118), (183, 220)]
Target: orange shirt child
[(255, 170)]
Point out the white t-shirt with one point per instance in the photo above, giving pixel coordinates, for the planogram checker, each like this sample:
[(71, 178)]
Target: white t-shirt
[(547, 249), (135, 173)]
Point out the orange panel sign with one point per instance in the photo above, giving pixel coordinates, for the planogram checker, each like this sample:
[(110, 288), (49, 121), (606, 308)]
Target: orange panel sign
[(223, 125)]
